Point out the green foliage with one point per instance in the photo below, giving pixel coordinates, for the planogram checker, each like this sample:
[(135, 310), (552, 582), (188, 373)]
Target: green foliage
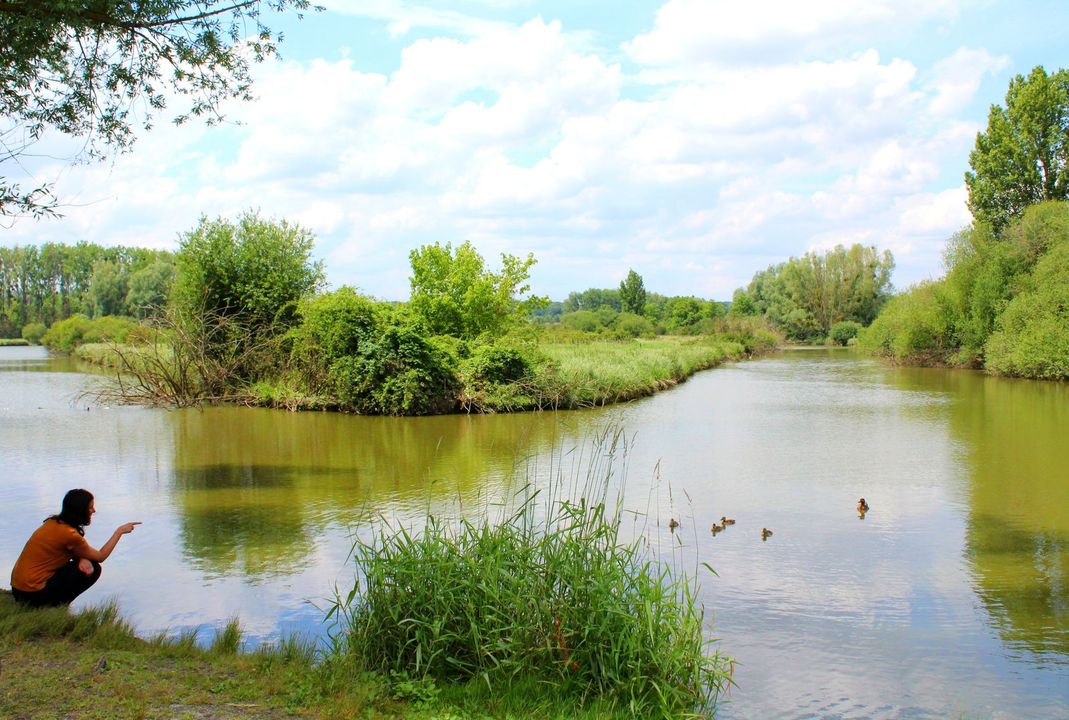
[(978, 284), (67, 334), (582, 320), (332, 326), (631, 325), (1032, 335), (805, 296), (454, 294), (752, 334), (52, 282), (1023, 157), (254, 269), (914, 327), (592, 299), (548, 596), (107, 289), (742, 303), (1001, 304), (497, 364), (149, 289), (632, 294), (96, 70), (550, 313), (33, 332), (397, 372), (843, 332)]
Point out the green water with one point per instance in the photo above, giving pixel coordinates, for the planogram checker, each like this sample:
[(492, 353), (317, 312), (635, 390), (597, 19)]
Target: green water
[(949, 599)]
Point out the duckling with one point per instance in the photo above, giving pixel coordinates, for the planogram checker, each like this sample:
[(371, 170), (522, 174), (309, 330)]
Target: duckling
[(672, 523), (714, 528), (765, 533), (862, 506), (725, 521)]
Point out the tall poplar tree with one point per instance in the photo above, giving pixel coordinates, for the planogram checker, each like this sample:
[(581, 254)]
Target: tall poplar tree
[(1023, 156)]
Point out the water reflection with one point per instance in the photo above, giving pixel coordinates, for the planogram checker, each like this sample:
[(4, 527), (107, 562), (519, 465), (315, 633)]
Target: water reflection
[(1017, 534), (255, 487)]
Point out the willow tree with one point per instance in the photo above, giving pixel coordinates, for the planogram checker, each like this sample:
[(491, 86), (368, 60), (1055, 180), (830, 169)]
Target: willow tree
[(98, 69)]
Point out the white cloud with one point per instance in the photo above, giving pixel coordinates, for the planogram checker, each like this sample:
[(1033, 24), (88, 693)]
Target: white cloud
[(695, 174), (955, 79), (689, 32)]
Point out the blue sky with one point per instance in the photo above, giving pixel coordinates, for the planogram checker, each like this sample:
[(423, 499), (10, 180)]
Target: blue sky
[(695, 141)]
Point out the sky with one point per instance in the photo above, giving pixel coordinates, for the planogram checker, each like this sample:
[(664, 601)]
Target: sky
[(695, 141)]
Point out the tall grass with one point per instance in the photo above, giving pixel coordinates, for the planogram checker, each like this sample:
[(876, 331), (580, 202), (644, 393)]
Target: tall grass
[(550, 597), (604, 372)]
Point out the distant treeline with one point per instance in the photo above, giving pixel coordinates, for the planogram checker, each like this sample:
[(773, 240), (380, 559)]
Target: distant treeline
[(631, 311), (40, 285)]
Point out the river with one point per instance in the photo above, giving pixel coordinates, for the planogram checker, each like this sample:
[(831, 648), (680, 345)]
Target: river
[(950, 598)]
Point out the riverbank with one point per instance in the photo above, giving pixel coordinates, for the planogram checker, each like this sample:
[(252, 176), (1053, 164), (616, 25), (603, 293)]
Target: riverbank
[(90, 664), (569, 371)]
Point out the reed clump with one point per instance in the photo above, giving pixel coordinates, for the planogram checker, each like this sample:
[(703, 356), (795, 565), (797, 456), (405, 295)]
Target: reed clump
[(550, 596)]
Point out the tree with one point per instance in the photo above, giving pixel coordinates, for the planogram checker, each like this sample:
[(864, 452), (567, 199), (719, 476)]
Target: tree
[(95, 69), (632, 293), (149, 288), (108, 289), (253, 271), (805, 296), (454, 294), (1023, 157)]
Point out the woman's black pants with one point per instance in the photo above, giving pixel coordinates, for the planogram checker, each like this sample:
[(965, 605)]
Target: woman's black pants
[(68, 583)]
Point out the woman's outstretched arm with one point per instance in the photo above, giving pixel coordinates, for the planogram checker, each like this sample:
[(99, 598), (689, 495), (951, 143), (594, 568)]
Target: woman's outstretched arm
[(88, 552)]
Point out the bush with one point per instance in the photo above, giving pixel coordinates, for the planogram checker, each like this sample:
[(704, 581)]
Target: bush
[(495, 364), (842, 333), (914, 327), (582, 320), (397, 373), (632, 325), (33, 332), (254, 269), (1032, 336), (331, 327), (66, 335)]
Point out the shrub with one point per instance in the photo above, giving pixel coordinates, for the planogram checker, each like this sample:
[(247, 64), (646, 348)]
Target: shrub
[(399, 372), (1032, 336), (496, 364), (32, 332), (66, 334), (914, 327), (254, 270), (632, 325), (582, 320), (332, 326), (842, 333)]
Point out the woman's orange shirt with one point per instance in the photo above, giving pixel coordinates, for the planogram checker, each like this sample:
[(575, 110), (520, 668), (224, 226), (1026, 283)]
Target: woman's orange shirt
[(51, 546)]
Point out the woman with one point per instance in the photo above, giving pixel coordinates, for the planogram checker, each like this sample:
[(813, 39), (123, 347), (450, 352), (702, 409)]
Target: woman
[(57, 564)]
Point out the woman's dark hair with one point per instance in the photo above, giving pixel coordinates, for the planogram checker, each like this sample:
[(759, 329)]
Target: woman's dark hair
[(75, 510)]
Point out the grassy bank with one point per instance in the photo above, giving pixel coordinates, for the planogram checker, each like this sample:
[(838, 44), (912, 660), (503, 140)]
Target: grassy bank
[(603, 372), (90, 665), (576, 370), (13, 342)]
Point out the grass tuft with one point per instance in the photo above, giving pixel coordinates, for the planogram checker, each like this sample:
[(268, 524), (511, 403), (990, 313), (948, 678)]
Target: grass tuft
[(550, 597)]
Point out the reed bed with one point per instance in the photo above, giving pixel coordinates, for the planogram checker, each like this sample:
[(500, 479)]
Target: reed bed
[(548, 596)]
